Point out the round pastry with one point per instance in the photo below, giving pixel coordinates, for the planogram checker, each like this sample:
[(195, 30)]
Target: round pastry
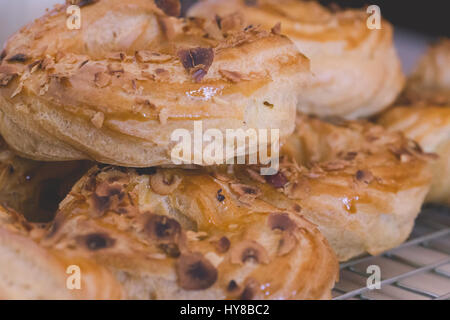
[(430, 126), (362, 185), (36, 188), (356, 71), (190, 234), (33, 272), (425, 117), (115, 90), (430, 82)]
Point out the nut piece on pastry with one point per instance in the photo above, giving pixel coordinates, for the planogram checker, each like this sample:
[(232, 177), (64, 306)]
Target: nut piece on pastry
[(429, 125), (425, 117), (30, 271), (115, 90), (362, 185), (205, 239), (356, 71), (36, 188)]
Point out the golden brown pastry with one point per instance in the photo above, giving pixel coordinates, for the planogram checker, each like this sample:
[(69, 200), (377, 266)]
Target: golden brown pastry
[(36, 188), (115, 90), (362, 185), (356, 71), (183, 234), (228, 232), (430, 126), (430, 82), (30, 271), (425, 117)]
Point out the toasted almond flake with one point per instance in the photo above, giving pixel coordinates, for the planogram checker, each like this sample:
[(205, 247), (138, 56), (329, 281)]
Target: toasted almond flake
[(196, 236), (98, 119), (232, 76), (44, 89), (255, 176), (276, 29), (154, 57), (102, 79), (18, 90), (214, 258)]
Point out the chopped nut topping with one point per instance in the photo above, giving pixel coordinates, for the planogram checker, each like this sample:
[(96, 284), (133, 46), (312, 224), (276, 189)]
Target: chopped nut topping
[(198, 74), (20, 57), (281, 221), (195, 272), (162, 74), (232, 76), (145, 102), (364, 176), (5, 79), (164, 184), (114, 68), (33, 66), (276, 29), (106, 197), (96, 241), (98, 119), (102, 79), (197, 61), (268, 104), (119, 56), (255, 175), (83, 64), (246, 193), (162, 228), (335, 165), (223, 245), (230, 22), (169, 7), (277, 180), (171, 249), (402, 154), (149, 56), (249, 250)]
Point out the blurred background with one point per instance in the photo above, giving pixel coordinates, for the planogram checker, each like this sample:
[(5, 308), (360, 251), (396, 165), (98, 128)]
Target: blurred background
[(417, 22)]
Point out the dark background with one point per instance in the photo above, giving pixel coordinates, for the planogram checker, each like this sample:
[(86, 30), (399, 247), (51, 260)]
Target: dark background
[(431, 17)]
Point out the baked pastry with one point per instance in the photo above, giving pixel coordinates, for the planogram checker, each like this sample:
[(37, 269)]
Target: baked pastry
[(115, 90), (36, 188), (424, 115), (429, 125), (34, 272), (430, 81), (362, 185), (356, 71), (182, 234)]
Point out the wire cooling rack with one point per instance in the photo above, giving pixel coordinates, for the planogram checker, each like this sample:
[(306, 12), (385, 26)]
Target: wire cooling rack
[(419, 269)]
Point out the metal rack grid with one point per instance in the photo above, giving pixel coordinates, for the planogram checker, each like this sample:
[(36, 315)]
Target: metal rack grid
[(419, 269)]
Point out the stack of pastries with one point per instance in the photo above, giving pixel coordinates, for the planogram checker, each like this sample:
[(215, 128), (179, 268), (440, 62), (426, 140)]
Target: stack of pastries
[(88, 177)]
